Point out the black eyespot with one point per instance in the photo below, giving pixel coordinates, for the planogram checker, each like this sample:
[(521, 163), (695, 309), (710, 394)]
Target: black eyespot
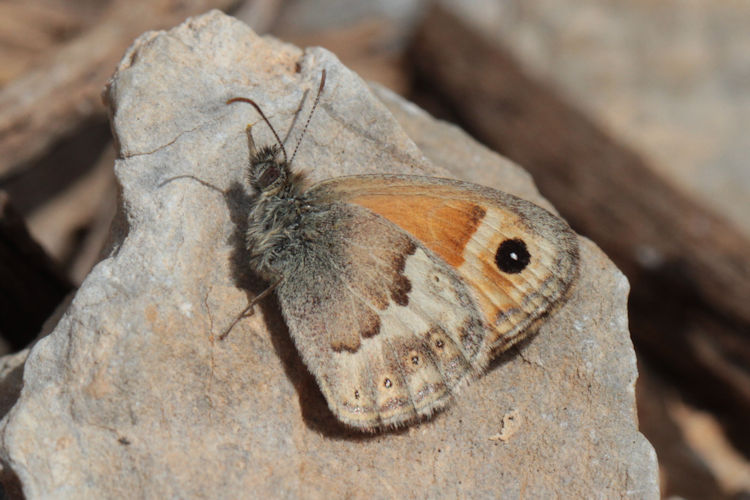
[(415, 360), (387, 383), (512, 257), (356, 394), (439, 344)]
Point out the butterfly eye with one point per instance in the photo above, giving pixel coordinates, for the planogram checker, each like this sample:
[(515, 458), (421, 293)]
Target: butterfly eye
[(512, 256), (269, 175), (266, 167)]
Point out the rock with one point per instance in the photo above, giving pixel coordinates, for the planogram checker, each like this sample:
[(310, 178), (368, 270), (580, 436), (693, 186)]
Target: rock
[(133, 395)]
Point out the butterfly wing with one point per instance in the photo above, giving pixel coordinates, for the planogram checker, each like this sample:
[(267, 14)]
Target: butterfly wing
[(388, 328), (518, 259)]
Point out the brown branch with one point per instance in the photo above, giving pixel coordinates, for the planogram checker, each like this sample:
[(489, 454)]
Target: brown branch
[(55, 98), (30, 284), (689, 268)]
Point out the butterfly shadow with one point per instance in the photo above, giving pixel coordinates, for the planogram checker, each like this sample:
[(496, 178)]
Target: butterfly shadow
[(315, 412), (513, 352)]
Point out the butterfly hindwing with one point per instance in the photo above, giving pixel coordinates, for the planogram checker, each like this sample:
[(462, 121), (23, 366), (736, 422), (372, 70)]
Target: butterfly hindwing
[(388, 328)]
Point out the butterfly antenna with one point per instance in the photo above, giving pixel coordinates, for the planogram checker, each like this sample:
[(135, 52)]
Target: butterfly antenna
[(312, 110), (263, 115)]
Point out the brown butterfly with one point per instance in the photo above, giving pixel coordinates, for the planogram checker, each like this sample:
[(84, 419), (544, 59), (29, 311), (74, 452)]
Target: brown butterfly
[(397, 289)]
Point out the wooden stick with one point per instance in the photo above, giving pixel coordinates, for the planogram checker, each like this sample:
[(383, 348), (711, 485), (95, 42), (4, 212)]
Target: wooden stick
[(55, 98), (31, 286), (689, 268)]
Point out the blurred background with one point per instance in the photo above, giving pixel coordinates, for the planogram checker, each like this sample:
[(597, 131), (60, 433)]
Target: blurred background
[(632, 116)]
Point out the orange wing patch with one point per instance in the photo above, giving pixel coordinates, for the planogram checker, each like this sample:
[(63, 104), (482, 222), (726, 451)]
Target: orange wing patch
[(518, 259), (447, 226), (467, 236), (444, 226)]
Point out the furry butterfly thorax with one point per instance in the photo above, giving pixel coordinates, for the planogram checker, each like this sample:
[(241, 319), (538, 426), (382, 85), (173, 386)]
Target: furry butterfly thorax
[(277, 211)]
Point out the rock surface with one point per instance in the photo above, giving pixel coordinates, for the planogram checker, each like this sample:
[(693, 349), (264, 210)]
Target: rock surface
[(133, 395)]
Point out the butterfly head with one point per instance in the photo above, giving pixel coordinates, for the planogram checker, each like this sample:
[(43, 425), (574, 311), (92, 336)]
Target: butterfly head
[(269, 170), (270, 166)]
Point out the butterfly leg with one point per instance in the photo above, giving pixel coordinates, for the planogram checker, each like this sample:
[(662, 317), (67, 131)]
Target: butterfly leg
[(249, 309)]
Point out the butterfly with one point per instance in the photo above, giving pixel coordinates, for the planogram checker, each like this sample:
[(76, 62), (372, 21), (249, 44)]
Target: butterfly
[(398, 289)]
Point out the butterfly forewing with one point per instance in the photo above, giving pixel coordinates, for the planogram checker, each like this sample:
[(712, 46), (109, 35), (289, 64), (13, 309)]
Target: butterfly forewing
[(517, 259)]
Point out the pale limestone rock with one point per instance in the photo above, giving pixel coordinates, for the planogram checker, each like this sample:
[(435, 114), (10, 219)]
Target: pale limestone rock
[(132, 395)]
